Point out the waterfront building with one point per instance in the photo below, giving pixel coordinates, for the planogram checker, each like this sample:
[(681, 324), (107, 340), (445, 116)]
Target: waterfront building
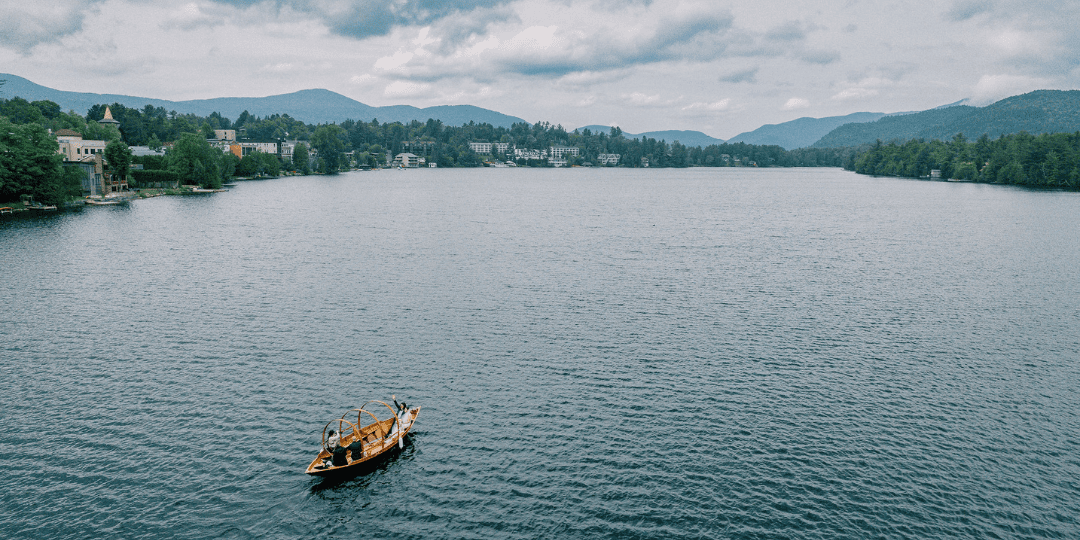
[(529, 154), (608, 159), (245, 148), (559, 152), (88, 156), (409, 160), (288, 149), (225, 134), (139, 151), (482, 148), (75, 148), (558, 155)]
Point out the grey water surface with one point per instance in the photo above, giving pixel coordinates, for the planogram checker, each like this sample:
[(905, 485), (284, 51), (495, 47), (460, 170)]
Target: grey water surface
[(605, 353)]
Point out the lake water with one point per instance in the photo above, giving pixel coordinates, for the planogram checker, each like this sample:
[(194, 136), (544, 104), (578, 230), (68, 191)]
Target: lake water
[(702, 353)]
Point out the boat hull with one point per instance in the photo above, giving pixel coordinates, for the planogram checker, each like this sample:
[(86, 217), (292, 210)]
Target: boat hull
[(374, 454), (357, 467)]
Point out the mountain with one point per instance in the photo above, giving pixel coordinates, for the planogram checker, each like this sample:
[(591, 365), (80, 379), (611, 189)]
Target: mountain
[(1041, 111), (686, 138), (311, 106), (801, 132)]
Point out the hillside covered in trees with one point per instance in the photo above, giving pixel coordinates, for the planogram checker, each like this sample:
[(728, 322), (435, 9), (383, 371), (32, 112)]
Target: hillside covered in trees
[(1042, 111)]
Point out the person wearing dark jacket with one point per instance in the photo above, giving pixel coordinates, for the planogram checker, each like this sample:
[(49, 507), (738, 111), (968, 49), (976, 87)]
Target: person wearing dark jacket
[(338, 451)]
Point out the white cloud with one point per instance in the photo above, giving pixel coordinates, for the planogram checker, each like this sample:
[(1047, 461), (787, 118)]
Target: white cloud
[(855, 93), (189, 16), (567, 38), (394, 61), (796, 103), (280, 67), (585, 79), (534, 39), (639, 99), (991, 88), (722, 105), (405, 89), (26, 24)]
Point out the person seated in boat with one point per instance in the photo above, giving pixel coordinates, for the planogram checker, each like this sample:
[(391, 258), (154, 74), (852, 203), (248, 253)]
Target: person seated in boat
[(338, 453)]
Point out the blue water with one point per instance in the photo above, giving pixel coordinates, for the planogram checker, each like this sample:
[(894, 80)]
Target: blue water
[(721, 353)]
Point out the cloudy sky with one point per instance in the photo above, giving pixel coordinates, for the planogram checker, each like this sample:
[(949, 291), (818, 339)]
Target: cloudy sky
[(719, 66)]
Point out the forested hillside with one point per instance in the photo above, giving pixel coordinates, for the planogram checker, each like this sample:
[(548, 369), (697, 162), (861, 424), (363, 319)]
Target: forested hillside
[(1042, 111)]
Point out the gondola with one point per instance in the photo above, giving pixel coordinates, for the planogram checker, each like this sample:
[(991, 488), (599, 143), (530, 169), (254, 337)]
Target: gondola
[(379, 439)]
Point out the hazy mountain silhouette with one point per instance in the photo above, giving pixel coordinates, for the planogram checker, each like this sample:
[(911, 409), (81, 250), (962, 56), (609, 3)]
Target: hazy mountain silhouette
[(686, 138), (801, 132), (310, 106)]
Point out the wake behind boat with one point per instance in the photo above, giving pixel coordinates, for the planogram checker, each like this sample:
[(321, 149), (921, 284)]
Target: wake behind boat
[(351, 446)]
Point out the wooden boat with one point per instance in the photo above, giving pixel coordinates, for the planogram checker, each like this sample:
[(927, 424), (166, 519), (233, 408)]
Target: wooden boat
[(379, 438)]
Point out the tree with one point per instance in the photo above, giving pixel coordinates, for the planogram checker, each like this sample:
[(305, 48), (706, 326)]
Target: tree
[(196, 161), (271, 165), (378, 155), (49, 109), (20, 111), (30, 164), (300, 159), (1012, 173), (229, 162), (99, 132), (118, 156), (249, 166), (258, 164), (329, 141)]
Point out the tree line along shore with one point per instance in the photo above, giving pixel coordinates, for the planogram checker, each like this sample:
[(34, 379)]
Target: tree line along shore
[(1048, 160), (31, 165)]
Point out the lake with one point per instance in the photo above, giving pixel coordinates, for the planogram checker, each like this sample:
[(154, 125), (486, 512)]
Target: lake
[(599, 353)]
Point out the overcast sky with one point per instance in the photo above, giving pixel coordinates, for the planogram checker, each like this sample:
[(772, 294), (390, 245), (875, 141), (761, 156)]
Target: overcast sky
[(720, 67)]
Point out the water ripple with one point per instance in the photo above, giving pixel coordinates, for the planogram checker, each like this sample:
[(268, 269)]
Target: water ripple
[(600, 354)]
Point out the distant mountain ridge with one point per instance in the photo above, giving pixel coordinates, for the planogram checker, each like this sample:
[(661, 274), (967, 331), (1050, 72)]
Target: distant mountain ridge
[(801, 132), (685, 138), (1041, 111), (310, 106)]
